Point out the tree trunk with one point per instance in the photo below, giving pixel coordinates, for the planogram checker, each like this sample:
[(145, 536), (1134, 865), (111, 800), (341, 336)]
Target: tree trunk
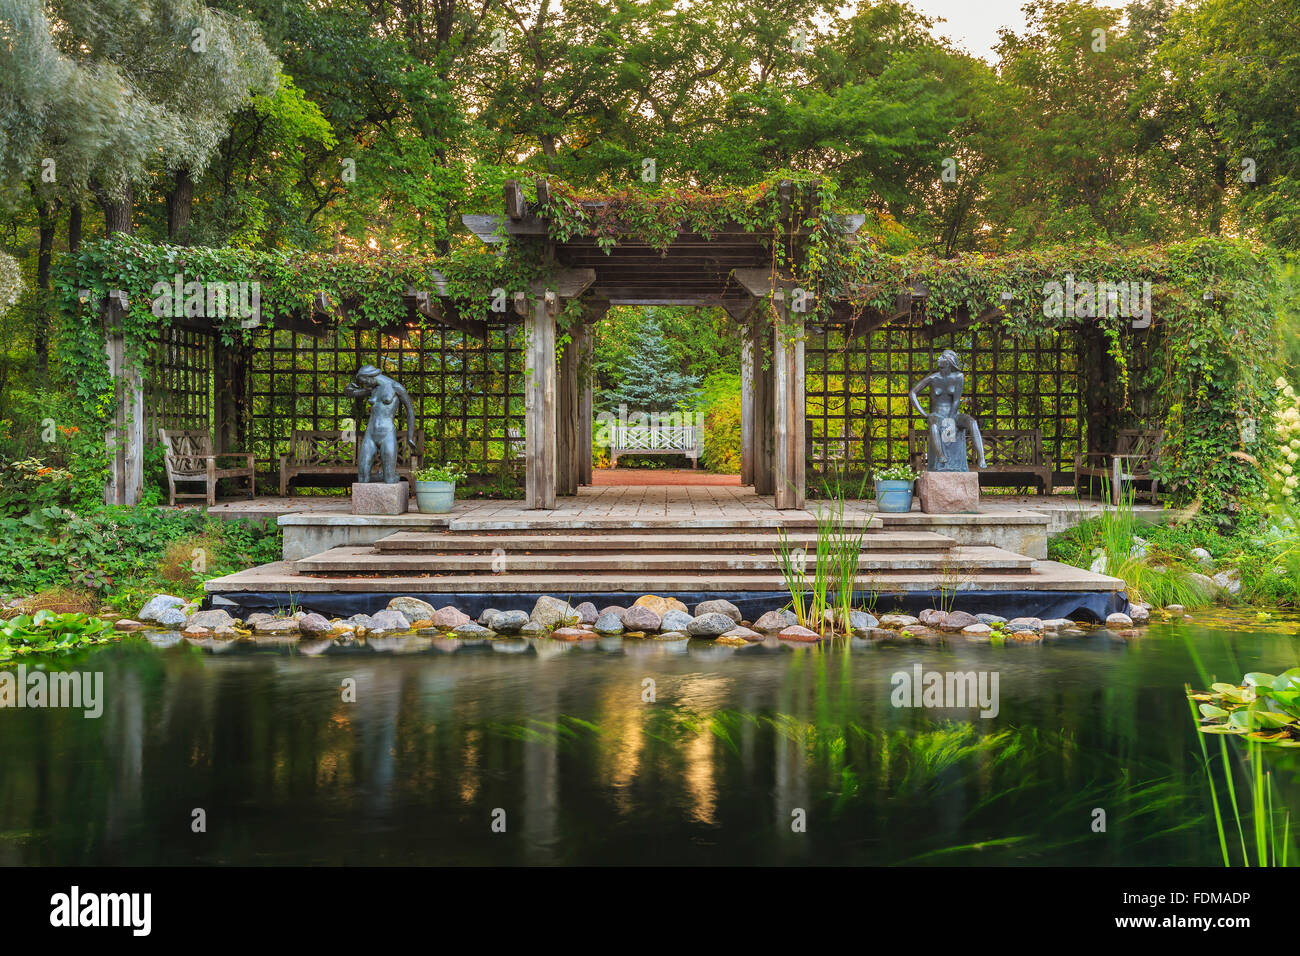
[(180, 203), (47, 218), (117, 209), (74, 227)]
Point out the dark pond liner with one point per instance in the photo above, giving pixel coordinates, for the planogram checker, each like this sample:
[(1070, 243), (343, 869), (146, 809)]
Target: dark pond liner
[(1074, 605)]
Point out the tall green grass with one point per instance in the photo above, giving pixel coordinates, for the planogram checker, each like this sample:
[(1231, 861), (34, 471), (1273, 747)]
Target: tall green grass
[(837, 553), (1158, 586)]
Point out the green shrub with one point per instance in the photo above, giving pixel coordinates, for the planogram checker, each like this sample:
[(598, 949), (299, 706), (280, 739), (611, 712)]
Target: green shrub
[(721, 408)]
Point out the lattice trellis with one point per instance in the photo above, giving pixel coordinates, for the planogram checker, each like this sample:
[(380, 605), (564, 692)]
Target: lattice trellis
[(178, 382), (467, 392), (858, 413)]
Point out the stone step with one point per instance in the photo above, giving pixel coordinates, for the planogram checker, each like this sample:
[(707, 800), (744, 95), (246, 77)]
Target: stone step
[(647, 542), (667, 523), (281, 577), (362, 559)]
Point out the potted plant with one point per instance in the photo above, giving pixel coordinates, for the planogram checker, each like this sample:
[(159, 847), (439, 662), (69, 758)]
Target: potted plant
[(435, 488), (894, 489)]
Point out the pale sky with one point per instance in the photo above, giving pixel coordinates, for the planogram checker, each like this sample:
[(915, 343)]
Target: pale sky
[(973, 24)]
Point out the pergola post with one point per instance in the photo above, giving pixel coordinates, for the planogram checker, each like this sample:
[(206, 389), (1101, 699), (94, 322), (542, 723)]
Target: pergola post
[(568, 446), (747, 410), (230, 390), (542, 421), (761, 403), (539, 402), (789, 426), (124, 439), (592, 315)]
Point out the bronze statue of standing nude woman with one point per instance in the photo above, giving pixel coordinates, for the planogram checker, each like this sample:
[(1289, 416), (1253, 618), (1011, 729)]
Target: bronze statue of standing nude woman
[(380, 438), (947, 451)]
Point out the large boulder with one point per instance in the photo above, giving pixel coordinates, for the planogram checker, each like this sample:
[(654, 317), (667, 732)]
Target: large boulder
[(313, 624), (449, 618), (893, 621), (613, 609), (388, 620), (773, 622), (508, 622), (932, 617), (165, 609), (485, 619), (640, 617), (551, 613), (675, 620), (718, 607), (412, 608), (957, 620), (212, 619), (609, 623), (711, 625), (281, 626), (660, 605), (587, 613)]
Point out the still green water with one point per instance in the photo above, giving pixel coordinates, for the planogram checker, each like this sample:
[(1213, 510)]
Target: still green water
[(758, 756)]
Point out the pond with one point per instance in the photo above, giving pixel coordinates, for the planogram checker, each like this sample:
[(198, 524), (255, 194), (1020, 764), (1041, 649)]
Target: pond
[(634, 752)]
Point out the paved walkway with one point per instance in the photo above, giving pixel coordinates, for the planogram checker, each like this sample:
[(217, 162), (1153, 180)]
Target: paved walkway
[(603, 477)]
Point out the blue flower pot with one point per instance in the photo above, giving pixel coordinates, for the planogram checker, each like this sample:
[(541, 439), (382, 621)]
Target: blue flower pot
[(435, 497), (893, 497)]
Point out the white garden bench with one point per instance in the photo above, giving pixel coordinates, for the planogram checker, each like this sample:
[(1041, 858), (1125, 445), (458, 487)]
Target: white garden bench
[(655, 440)]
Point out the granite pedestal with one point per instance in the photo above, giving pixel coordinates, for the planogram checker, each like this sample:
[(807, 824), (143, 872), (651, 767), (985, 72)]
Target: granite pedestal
[(377, 498), (949, 492)]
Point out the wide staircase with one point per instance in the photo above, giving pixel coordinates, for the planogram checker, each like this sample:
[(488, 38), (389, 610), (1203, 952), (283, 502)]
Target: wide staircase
[(664, 558)]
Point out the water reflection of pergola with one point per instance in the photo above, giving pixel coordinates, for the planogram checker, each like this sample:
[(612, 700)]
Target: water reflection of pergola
[(817, 393)]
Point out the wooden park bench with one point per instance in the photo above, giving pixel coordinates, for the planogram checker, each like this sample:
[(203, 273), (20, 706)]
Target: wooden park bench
[(1136, 452), (654, 440), (333, 454), (189, 459), (1014, 457)]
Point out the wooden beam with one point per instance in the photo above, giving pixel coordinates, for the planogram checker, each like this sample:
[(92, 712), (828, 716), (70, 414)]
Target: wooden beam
[(516, 207), (747, 410), (594, 311), (788, 405), (540, 406), (565, 283), (760, 282), (760, 338), (426, 304), (125, 438), (739, 309), (494, 229)]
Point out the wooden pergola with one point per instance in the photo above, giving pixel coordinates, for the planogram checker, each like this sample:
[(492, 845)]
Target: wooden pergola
[(546, 401), (731, 268)]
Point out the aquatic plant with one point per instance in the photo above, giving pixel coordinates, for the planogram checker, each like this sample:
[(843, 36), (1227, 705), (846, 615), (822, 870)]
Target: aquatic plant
[(46, 632), (1265, 707), (837, 555)]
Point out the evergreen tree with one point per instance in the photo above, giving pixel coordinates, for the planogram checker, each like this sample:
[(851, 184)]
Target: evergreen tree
[(651, 381)]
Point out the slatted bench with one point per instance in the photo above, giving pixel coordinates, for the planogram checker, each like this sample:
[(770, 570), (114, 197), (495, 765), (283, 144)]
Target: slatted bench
[(1137, 450), (333, 454), (1014, 457), (654, 440), (189, 459)]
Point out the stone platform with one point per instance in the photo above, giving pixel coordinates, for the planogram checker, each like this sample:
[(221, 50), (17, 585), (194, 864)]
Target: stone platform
[(665, 540)]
